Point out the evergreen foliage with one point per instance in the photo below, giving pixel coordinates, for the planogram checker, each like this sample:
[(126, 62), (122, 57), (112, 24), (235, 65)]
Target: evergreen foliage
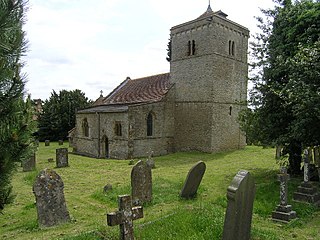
[(59, 114), (285, 98), (16, 126), (169, 51)]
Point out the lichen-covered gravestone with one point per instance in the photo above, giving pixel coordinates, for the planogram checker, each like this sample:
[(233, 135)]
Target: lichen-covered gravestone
[(141, 183), (29, 164), (62, 157), (240, 195), (307, 192), (124, 217), (193, 180), (50, 201)]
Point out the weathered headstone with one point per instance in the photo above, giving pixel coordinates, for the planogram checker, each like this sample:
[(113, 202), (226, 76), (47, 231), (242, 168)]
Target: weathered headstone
[(29, 164), (107, 188), (278, 151), (240, 194), (150, 162), (60, 142), (125, 216), (50, 159), (193, 180), (283, 212), (141, 183), (316, 154), (306, 192), (50, 201), (62, 157), (47, 143)]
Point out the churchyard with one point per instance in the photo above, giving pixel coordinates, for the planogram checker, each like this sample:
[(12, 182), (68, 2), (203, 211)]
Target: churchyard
[(166, 215)]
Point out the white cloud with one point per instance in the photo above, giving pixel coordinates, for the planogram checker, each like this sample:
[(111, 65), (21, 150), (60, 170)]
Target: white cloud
[(95, 45)]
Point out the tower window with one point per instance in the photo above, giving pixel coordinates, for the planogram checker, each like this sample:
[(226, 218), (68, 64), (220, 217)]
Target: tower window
[(85, 127), (150, 124), (230, 110), (118, 129), (191, 47), (231, 48)]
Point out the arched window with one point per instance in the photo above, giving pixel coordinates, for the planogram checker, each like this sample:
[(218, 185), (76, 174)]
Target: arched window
[(189, 48), (118, 129), (232, 48), (150, 124), (85, 127), (193, 47)]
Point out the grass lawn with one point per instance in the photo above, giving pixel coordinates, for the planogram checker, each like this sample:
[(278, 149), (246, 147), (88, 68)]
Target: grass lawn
[(168, 216)]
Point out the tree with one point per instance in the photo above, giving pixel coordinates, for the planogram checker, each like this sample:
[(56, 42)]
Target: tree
[(287, 31), (59, 114), (16, 126), (169, 50)]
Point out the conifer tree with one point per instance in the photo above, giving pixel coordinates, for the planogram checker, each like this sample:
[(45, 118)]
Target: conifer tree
[(16, 124)]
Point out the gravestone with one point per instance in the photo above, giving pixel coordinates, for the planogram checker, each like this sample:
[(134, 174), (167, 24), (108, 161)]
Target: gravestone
[(47, 143), (283, 212), (60, 142), (150, 162), (316, 154), (50, 201), (125, 216), (62, 157), (278, 151), (107, 188), (29, 164), (240, 195), (50, 159), (193, 180), (306, 192), (141, 183)]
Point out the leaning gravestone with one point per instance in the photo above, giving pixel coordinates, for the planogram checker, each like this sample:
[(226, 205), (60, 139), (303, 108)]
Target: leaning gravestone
[(125, 216), (47, 143), (62, 157), (29, 164), (51, 205), (240, 194), (283, 212), (141, 183), (193, 180)]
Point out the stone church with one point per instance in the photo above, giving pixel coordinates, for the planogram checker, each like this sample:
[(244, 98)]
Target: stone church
[(194, 107)]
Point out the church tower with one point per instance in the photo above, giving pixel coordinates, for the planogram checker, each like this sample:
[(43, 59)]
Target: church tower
[(209, 71)]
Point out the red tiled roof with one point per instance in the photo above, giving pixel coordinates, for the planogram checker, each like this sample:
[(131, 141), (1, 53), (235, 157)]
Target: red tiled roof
[(141, 90)]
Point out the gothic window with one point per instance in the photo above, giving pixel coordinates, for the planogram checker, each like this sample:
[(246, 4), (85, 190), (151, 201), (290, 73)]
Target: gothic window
[(231, 48), (85, 127), (230, 110), (150, 124), (118, 129), (191, 47)]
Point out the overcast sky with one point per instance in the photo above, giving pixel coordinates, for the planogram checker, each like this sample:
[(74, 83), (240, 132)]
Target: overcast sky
[(94, 45)]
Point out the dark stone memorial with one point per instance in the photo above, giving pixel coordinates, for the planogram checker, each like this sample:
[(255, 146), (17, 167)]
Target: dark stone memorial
[(240, 195), (283, 212), (62, 157), (193, 180), (50, 201), (141, 183), (306, 192), (29, 164), (60, 142), (47, 143), (125, 217)]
